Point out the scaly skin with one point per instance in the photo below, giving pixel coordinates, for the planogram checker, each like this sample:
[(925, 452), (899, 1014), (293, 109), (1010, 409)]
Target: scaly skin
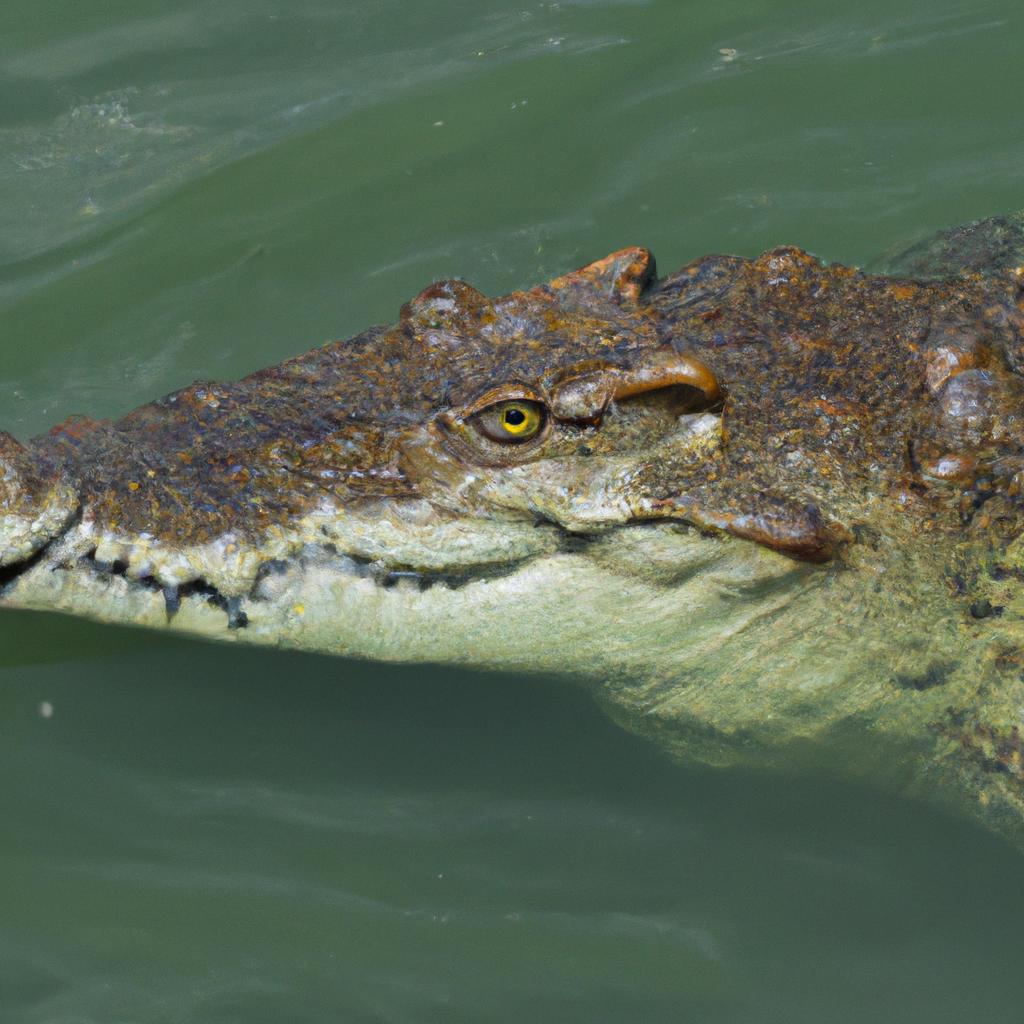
[(770, 508)]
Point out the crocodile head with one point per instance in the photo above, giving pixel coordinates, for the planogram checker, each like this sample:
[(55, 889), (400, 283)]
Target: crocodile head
[(754, 501)]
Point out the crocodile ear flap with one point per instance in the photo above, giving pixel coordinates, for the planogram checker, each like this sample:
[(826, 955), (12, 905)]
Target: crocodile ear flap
[(447, 307), (620, 278)]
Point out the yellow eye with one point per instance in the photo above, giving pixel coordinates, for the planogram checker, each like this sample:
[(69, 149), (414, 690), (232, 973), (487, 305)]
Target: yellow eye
[(511, 422), (518, 418)]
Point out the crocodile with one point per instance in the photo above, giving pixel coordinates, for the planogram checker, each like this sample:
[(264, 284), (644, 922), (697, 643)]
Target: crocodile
[(768, 510)]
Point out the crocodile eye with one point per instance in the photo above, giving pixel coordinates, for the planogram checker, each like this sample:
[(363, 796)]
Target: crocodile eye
[(511, 422)]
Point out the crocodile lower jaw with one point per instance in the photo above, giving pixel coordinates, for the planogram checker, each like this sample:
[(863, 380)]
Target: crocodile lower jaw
[(577, 608)]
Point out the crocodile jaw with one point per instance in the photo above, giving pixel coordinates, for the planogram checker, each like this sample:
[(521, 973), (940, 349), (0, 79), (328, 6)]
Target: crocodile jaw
[(578, 607)]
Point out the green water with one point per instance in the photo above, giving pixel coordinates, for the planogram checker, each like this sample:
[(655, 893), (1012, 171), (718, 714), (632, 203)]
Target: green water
[(197, 834)]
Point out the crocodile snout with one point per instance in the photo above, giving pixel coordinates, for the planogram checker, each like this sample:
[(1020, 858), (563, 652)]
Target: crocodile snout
[(35, 506)]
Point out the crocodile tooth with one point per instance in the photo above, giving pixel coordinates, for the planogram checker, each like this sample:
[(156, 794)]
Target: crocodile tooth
[(172, 600)]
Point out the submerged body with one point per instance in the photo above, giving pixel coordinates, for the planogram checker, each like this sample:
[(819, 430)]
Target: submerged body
[(761, 506)]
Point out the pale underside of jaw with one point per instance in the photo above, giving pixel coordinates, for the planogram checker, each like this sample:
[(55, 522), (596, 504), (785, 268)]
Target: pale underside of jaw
[(645, 603), (554, 601)]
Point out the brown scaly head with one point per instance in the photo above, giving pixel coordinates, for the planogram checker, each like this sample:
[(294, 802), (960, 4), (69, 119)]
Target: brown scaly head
[(756, 502)]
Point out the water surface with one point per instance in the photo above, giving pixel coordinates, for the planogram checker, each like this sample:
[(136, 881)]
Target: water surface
[(194, 833)]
